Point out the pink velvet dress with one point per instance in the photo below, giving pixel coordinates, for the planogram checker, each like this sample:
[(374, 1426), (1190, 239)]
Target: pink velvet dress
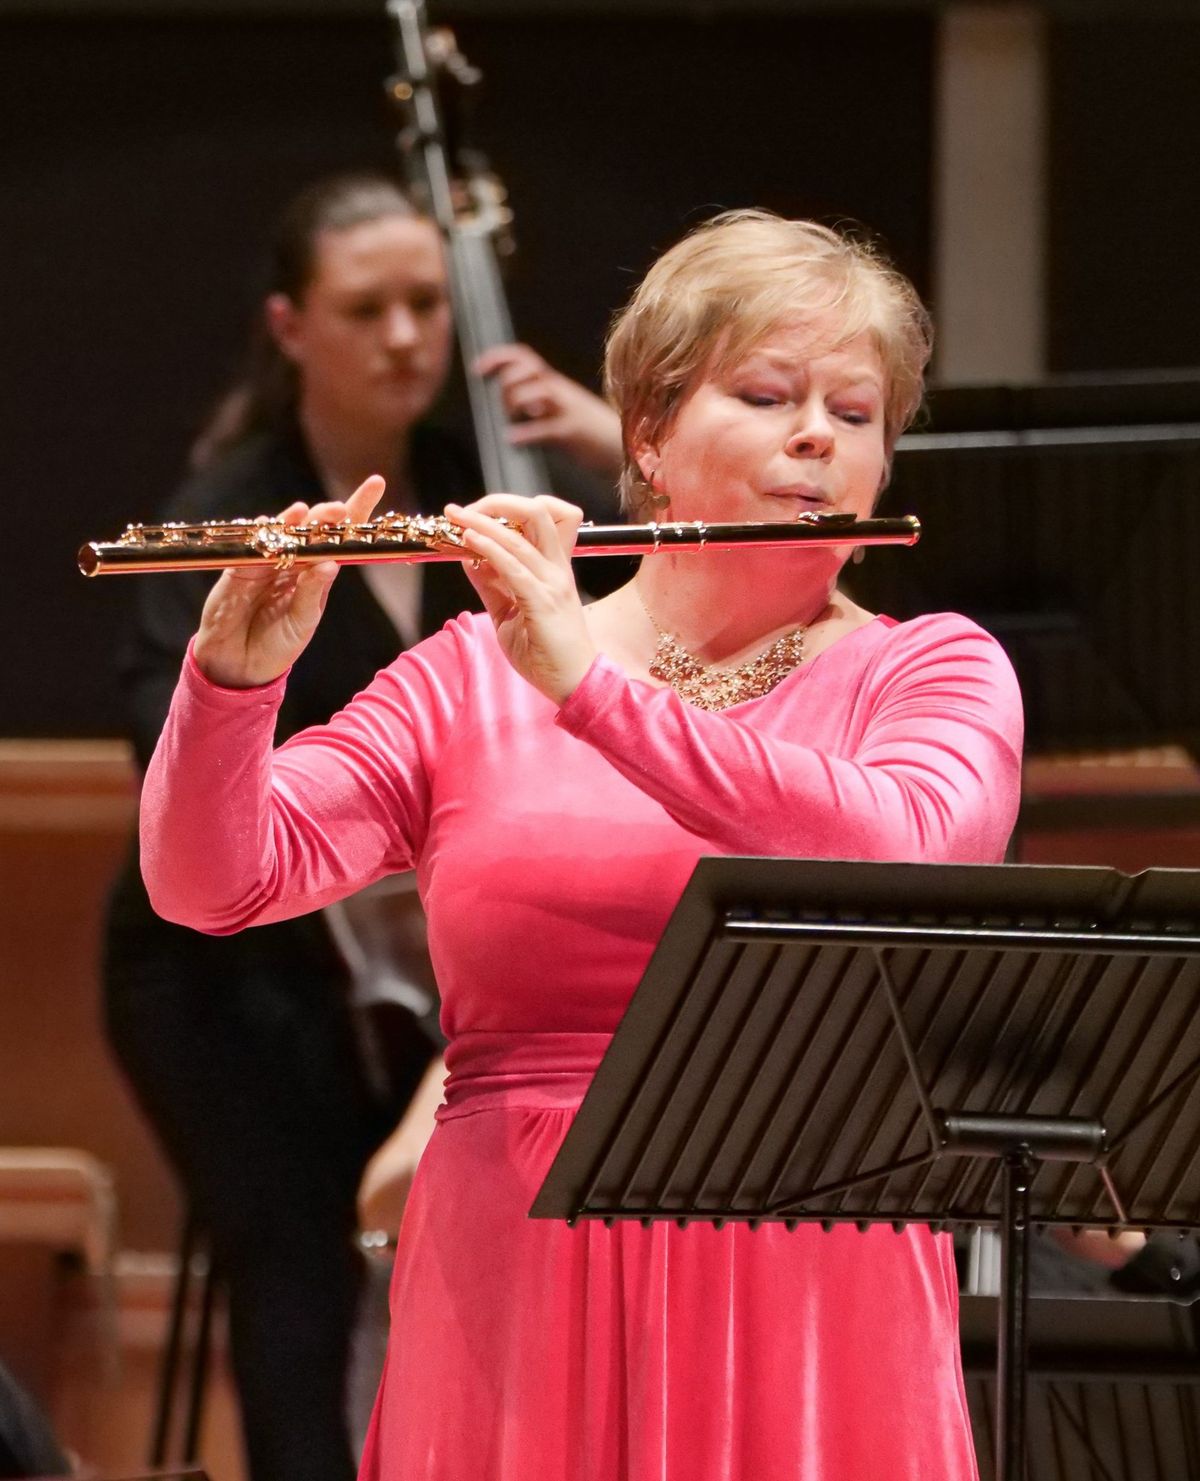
[(551, 845)]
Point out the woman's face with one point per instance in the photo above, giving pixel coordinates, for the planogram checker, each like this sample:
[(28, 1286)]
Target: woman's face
[(371, 337), (790, 428)]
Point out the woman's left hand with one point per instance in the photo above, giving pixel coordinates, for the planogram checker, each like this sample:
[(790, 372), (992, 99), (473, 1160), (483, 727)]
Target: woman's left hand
[(527, 586)]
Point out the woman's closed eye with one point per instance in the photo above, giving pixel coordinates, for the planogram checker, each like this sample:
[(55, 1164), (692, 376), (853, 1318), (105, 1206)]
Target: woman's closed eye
[(760, 396), (855, 416)]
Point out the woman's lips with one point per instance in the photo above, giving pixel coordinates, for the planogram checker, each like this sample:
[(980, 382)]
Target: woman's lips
[(804, 498)]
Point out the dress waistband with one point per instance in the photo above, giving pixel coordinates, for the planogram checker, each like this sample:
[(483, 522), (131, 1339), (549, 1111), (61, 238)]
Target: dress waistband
[(490, 1070)]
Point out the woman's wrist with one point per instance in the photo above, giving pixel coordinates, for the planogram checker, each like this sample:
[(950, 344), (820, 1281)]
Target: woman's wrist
[(570, 676), (216, 675)]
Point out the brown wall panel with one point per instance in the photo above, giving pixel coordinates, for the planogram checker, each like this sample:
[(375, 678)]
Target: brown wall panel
[(66, 811)]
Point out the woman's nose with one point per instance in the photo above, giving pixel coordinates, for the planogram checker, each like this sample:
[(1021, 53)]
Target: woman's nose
[(400, 327), (812, 434)]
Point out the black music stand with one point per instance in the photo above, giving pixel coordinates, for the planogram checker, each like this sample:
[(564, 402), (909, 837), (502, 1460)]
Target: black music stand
[(949, 1045), (1114, 1386), (1048, 512)]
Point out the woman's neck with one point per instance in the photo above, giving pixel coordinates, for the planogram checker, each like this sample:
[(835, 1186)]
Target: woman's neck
[(345, 456), (724, 604)]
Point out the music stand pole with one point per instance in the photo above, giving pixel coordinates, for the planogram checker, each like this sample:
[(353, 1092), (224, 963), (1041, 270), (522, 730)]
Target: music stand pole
[(1012, 1351), (1022, 1143)]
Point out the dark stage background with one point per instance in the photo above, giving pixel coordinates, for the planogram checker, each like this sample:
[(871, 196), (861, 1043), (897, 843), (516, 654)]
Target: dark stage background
[(145, 158), (154, 154)]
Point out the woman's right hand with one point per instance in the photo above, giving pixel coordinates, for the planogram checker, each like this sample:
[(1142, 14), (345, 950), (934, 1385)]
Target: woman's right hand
[(550, 409), (257, 622)]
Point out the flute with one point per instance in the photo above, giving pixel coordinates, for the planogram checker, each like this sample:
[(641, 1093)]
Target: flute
[(432, 537)]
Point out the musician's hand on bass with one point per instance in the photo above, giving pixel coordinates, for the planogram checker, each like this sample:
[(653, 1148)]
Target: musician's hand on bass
[(549, 409), (525, 581), (257, 621)]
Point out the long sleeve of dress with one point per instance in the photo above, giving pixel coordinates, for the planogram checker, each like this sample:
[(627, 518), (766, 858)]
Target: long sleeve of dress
[(933, 773), (921, 761), (166, 614), (234, 834)]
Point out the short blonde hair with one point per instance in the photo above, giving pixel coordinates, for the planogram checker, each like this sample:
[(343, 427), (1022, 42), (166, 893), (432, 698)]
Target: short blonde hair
[(729, 284)]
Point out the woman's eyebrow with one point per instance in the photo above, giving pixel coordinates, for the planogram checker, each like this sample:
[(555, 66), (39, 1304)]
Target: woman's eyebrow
[(783, 364), (868, 378)]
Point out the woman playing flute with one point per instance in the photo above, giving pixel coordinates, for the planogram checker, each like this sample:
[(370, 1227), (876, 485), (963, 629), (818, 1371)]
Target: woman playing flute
[(553, 771)]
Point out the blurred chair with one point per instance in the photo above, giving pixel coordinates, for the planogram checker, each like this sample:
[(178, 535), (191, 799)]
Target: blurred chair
[(62, 1201), (60, 1198)]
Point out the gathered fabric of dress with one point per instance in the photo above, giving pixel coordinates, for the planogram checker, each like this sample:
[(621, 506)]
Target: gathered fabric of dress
[(551, 846)]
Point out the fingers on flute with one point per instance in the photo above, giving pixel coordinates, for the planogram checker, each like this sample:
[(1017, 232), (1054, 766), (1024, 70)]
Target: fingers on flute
[(564, 514), (484, 536), (539, 517), (515, 570), (362, 502), (356, 508), (503, 578), (329, 512)]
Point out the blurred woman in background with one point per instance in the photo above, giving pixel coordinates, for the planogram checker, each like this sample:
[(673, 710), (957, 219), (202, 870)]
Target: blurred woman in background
[(268, 1086)]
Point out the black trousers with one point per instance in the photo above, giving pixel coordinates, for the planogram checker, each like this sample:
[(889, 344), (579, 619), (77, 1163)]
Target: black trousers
[(245, 1057)]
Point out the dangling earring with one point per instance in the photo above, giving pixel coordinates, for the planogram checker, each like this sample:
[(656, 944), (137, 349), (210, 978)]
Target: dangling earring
[(658, 500)]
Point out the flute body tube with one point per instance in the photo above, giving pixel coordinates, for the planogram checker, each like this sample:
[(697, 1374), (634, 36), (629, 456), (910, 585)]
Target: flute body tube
[(418, 538)]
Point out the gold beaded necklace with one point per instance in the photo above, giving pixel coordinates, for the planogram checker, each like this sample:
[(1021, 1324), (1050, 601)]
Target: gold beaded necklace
[(709, 687)]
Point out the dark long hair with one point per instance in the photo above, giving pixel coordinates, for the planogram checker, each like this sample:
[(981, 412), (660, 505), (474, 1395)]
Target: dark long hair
[(265, 394)]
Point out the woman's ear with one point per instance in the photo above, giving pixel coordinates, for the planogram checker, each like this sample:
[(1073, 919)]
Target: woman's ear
[(285, 325), (647, 460), (649, 466)]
